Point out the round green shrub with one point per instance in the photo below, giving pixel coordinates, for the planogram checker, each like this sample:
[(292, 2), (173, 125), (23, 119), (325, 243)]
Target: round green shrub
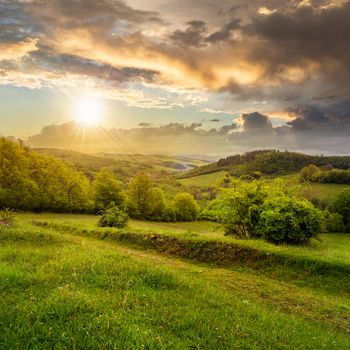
[(113, 217), (289, 220)]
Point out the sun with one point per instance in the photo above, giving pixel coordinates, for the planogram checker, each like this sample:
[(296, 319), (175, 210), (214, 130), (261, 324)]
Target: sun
[(88, 111)]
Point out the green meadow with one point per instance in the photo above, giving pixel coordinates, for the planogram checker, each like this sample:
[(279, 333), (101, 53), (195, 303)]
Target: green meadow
[(64, 285)]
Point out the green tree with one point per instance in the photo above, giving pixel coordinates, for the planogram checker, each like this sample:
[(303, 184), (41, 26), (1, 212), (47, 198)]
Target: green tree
[(19, 191), (30, 181), (310, 173), (185, 206), (158, 205), (243, 203), (107, 189), (140, 196)]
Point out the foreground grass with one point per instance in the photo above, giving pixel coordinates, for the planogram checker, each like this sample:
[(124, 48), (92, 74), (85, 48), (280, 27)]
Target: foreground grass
[(64, 291)]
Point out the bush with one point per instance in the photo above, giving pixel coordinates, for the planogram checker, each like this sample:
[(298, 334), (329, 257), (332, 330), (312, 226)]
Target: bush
[(310, 173), (213, 211), (334, 222), (186, 208), (270, 211), (336, 176), (113, 217), (342, 206), (289, 220), (7, 217)]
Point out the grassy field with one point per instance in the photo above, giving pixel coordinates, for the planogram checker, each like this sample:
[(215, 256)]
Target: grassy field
[(203, 180), (333, 247), (327, 191), (126, 165), (65, 290)]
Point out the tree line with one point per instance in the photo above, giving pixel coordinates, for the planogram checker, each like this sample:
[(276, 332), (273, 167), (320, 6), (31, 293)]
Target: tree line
[(31, 181), (270, 162)]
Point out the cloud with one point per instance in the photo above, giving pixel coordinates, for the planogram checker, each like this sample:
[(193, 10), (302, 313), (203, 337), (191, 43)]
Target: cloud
[(17, 50), (294, 56), (194, 35), (178, 138), (256, 122), (309, 38), (224, 34)]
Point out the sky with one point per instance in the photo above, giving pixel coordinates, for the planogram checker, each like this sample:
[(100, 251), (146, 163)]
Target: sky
[(176, 76)]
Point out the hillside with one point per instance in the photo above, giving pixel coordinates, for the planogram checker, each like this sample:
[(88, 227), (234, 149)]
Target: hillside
[(124, 165), (268, 162)]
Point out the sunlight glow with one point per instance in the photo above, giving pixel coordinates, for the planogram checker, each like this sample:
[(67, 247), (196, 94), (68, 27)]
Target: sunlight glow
[(88, 111)]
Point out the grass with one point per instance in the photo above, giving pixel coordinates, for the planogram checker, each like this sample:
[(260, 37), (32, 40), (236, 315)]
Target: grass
[(206, 180), (329, 248), (126, 165), (60, 291), (327, 191), (321, 191)]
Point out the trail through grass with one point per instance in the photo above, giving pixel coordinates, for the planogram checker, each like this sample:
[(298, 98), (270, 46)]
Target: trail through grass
[(65, 291)]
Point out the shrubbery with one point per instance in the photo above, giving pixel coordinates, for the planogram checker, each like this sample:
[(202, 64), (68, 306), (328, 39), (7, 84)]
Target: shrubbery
[(113, 217), (333, 221), (342, 206), (271, 212), (289, 220), (312, 173), (336, 176), (213, 210)]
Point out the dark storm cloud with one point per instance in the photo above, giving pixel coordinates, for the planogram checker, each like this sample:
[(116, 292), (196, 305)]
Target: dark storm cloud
[(330, 116), (304, 35), (197, 34), (309, 117), (224, 34), (256, 122)]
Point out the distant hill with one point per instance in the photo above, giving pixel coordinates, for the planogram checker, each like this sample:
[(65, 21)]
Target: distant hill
[(268, 162), (125, 165)]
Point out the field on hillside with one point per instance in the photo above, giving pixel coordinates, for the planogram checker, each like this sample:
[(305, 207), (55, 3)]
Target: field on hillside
[(65, 283), (327, 191), (203, 180), (126, 165), (319, 190)]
